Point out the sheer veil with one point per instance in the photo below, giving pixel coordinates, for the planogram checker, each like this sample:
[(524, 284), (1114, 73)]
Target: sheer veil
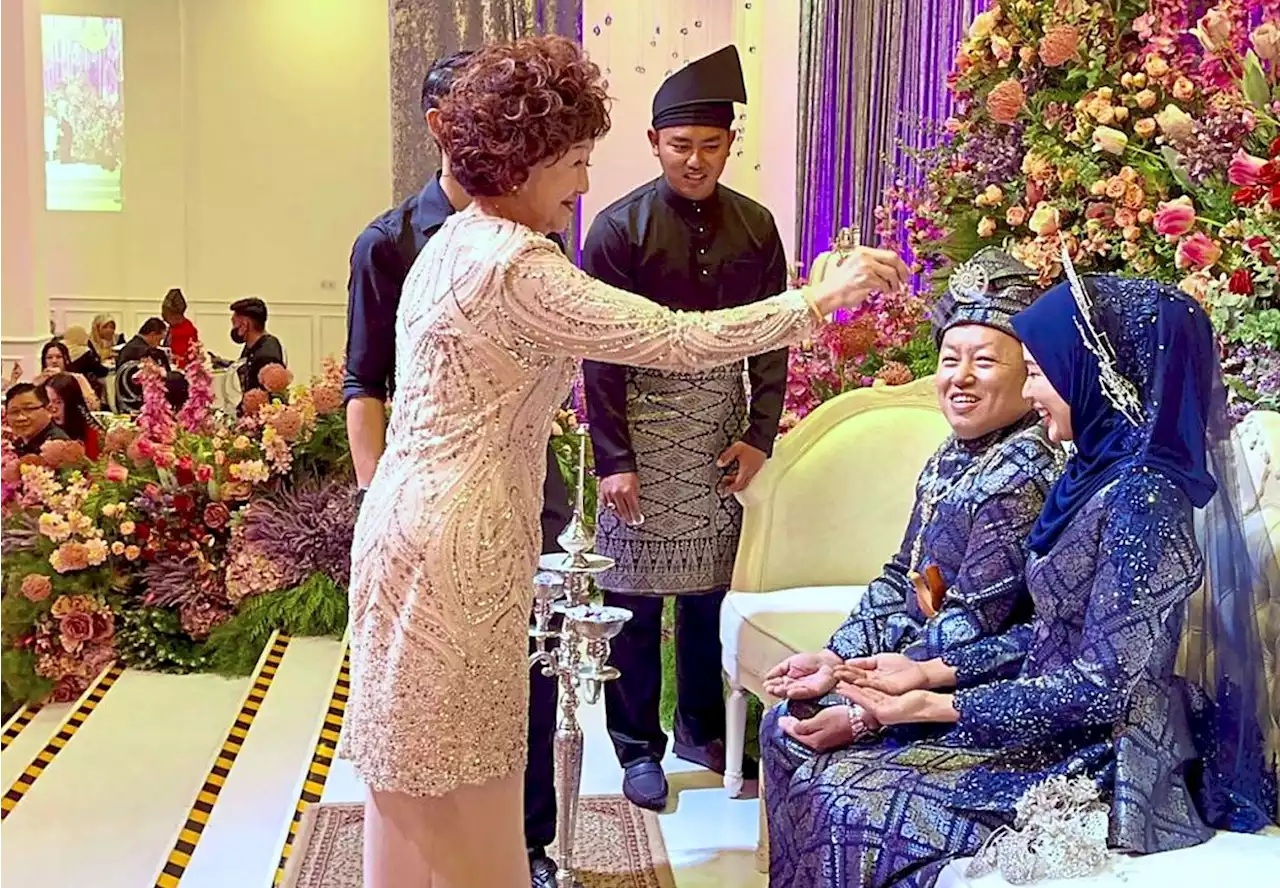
[(1231, 642)]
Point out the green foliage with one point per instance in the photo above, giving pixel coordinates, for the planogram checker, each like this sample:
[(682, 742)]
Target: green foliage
[(153, 638), (920, 354), (1256, 89), (316, 607), (21, 684), (1262, 327), (326, 453), (565, 448)]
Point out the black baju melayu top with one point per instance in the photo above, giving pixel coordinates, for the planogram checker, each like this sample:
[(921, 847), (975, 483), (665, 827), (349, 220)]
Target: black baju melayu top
[(693, 256)]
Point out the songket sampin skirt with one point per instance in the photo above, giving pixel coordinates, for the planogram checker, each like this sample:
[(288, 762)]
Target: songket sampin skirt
[(680, 423)]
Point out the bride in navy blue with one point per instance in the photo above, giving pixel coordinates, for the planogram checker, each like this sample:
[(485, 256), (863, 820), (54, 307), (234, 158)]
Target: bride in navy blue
[(1127, 370)]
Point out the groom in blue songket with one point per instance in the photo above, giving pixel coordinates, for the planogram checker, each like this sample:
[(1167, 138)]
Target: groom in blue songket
[(672, 449)]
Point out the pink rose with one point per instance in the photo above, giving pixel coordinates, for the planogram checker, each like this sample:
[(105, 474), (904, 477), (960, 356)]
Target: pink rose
[(1016, 216), (1176, 217), (76, 629), (104, 625), (1266, 41), (1244, 169), (216, 515), (1198, 251), (116, 473), (68, 689), (1213, 30), (36, 587), (60, 454)]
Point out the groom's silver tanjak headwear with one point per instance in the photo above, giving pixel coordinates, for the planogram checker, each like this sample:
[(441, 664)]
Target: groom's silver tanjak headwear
[(989, 289)]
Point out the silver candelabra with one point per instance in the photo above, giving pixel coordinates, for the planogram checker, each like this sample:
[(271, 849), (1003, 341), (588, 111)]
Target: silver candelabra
[(579, 661)]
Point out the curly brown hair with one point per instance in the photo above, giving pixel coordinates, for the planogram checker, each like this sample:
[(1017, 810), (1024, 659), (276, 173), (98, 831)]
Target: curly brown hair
[(516, 105)]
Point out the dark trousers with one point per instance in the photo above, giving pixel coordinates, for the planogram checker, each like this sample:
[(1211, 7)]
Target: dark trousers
[(540, 770), (632, 702)]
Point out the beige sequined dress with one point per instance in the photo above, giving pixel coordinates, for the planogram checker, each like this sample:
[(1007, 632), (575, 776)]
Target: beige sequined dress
[(490, 323)]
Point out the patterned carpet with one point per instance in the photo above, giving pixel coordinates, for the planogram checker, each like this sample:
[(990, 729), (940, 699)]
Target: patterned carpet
[(619, 846)]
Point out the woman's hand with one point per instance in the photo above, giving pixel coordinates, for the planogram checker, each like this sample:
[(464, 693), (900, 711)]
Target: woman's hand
[(853, 278), (832, 728), (891, 673), (802, 676), (908, 708)]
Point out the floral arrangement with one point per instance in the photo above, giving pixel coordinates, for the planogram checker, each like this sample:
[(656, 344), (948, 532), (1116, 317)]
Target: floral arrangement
[(185, 544), (1142, 136)]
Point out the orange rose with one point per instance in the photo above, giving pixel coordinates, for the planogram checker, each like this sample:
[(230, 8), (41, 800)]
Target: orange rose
[(1006, 101)]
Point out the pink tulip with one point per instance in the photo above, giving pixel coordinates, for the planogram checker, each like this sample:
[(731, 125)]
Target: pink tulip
[(1198, 251), (116, 473), (1244, 169), (1176, 217)]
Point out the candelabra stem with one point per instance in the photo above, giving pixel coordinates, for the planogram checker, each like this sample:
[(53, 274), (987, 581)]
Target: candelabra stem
[(568, 756)]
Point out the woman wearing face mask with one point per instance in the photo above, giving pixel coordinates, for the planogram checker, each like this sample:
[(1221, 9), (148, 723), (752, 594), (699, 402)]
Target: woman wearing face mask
[(490, 323), (56, 358), (71, 413), (1127, 370)]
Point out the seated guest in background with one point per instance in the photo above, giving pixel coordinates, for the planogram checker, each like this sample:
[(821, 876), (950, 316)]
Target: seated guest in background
[(85, 360), (144, 346), (55, 358), (181, 331), (249, 326), (976, 501), (104, 338), (70, 413), (27, 410)]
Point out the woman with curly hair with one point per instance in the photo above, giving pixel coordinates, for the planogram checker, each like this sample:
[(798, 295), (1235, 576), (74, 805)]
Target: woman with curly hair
[(491, 322)]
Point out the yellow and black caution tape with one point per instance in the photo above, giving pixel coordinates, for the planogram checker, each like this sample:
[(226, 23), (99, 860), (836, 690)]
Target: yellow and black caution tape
[(88, 703), (20, 720), (198, 817), (321, 760)]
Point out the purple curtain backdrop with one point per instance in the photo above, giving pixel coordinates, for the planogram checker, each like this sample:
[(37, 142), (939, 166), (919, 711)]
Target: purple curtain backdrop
[(872, 87)]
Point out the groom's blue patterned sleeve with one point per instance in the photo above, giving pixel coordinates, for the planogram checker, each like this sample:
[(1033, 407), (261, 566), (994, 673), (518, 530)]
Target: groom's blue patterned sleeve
[(991, 582)]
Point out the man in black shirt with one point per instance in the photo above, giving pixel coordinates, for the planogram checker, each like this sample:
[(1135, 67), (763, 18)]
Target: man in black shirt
[(144, 346), (380, 261), (27, 409), (249, 326), (672, 449)]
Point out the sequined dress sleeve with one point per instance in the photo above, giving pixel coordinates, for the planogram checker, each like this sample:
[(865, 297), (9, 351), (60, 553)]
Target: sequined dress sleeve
[(1148, 564), (550, 305)]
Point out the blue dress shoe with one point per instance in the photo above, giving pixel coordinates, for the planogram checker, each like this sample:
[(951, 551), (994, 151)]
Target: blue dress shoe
[(645, 785)]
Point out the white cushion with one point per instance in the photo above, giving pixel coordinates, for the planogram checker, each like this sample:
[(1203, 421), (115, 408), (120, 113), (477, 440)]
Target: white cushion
[(758, 630)]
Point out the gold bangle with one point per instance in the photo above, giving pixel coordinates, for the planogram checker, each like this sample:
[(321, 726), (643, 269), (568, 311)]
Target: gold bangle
[(813, 306)]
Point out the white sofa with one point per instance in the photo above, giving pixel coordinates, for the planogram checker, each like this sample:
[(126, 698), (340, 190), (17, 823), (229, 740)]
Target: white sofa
[(830, 509)]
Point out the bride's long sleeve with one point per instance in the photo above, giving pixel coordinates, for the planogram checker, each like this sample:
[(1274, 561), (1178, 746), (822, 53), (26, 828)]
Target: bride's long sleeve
[(550, 305)]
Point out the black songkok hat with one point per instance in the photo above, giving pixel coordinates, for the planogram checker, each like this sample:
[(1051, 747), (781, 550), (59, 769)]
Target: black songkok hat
[(702, 93), (989, 289)]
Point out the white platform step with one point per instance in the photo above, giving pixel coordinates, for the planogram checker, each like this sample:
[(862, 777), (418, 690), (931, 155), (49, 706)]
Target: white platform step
[(33, 738), (121, 788), (242, 840)]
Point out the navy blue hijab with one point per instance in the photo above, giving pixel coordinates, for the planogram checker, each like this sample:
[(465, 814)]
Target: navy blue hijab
[(1152, 411)]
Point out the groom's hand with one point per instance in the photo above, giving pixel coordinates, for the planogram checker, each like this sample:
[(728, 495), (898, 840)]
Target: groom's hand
[(750, 461)]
